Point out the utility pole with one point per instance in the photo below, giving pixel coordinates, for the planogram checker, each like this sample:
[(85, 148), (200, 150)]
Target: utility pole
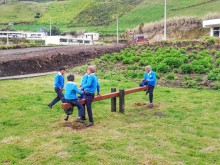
[(7, 39), (50, 26), (117, 29), (165, 20)]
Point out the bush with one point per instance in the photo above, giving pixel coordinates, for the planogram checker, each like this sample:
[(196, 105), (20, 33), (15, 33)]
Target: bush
[(214, 74), (127, 61), (170, 76), (200, 69), (198, 78), (162, 68), (190, 84), (186, 68), (218, 61), (173, 62), (209, 39)]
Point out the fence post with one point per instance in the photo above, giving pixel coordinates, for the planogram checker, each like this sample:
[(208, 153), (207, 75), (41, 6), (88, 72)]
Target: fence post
[(113, 101), (121, 100)]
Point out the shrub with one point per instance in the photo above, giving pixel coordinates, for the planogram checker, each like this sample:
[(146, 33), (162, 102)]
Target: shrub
[(158, 75), (127, 61), (186, 77), (132, 67), (214, 75), (186, 68), (162, 68), (200, 69), (131, 74), (209, 39), (170, 76), (198, 78), (173, 62), (218, 61), (190, 84)]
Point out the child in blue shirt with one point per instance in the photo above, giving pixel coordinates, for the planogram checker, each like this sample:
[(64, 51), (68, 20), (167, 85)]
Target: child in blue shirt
[(150, 81), (58, 86), (90, 88), (83, 81), (71, 90)]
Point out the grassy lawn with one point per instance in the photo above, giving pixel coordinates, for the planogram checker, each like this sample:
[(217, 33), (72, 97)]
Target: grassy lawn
[(182, 129)]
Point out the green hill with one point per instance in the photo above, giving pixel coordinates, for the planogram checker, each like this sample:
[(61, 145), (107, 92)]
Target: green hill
[(97, 15)]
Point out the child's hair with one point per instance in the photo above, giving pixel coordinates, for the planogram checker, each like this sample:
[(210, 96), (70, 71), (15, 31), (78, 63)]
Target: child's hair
[(148, 67), (70, 77), (92, 68), (61, 68)]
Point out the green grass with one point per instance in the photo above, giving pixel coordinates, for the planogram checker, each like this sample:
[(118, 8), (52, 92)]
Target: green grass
[(21, 11), (85, 14), (182, 129)]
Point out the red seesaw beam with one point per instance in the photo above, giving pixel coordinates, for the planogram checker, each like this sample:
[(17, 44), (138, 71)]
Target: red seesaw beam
[(107, 96)]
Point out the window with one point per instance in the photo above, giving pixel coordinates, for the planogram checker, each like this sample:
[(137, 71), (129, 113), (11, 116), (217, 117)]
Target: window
[(63, 40), (216, 31), (87, 42)]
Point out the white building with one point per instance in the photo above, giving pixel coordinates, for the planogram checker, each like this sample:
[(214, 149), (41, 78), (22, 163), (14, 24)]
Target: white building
[(214, 26), (23, 35), (93, 36), (67, 40)]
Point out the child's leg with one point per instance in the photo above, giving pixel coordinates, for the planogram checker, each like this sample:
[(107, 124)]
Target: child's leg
[(80, 107), (59, 97), (89, 98), (151, 89)]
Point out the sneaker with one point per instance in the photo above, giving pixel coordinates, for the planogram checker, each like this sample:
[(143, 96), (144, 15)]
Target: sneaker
[(80, 120), (151, 105), (66, 118), (50, 106), (90, 124)]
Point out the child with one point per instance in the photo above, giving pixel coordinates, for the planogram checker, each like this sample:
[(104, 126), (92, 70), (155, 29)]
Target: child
[(84, 80), (90, 87), (150, 80), (58, 86), (71, 90)]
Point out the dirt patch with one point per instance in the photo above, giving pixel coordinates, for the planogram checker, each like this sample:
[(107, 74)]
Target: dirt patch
[(159, 114), (74, 125), (39, 60), (140, 104)]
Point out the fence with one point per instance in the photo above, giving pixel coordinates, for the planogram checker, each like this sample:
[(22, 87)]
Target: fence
[(113, 95)]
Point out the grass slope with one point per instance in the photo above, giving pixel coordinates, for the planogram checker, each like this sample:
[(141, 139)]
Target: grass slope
[(84, 14), (21, 11), (182, 129)]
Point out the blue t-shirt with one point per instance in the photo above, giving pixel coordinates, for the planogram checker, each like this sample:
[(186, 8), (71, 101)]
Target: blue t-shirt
[(92, 84), (84, 79), (59, 81), (151, 77), (71, 90)]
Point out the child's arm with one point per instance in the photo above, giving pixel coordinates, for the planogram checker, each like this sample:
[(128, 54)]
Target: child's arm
[(84, 80), (98, 89), (76, 89), (145, 77)]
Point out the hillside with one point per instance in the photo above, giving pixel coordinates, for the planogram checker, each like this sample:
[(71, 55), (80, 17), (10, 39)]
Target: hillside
[(191, 64), (99, 15)]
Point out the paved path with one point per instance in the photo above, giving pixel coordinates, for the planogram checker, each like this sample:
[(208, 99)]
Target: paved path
[(27, 76)]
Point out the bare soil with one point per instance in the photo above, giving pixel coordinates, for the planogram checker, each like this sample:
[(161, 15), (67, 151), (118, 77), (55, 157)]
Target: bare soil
[(46, 59)]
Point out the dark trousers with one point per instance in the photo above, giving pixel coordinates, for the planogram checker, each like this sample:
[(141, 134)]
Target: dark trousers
[(59, 97), (151, 90), (81, 111), (89, 97)]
